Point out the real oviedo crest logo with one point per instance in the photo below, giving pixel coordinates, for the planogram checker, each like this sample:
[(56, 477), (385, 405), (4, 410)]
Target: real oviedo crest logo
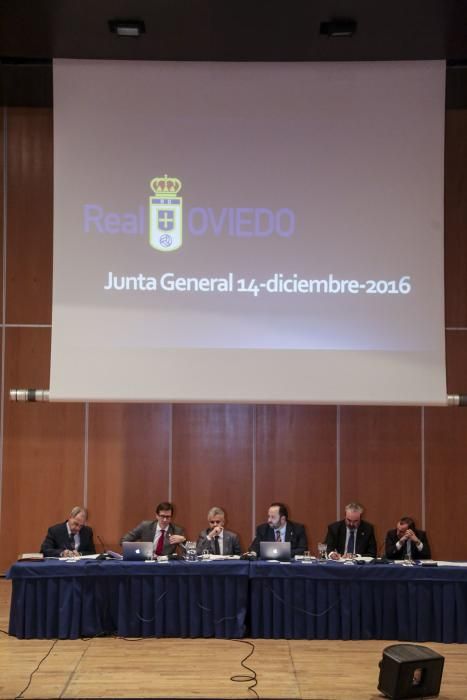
[(165, 214)]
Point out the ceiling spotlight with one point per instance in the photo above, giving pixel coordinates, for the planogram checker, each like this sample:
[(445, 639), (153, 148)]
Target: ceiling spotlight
[(127, 27), (338, 28)]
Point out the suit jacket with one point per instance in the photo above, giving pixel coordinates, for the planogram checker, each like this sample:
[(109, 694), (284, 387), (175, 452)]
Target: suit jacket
[(231, 542), (58, 539), (146, 530), (294, 533), (365, 543), (393, 553)]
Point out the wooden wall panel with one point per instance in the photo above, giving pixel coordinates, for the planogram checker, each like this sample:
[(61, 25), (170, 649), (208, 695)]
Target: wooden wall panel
[(212, 465), (456, 219), (456, 361), (296, 464), (2, 204), (446, 481), (240, 457), (29, 203), (381, 463), (128, 466), (43, 450)]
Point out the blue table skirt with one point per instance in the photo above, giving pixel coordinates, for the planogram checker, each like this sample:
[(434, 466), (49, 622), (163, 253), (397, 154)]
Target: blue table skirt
[(55, 599), (339, 601)]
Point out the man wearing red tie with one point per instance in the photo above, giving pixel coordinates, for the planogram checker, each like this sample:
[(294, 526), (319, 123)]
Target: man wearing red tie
[(165, 535), (280, 529)]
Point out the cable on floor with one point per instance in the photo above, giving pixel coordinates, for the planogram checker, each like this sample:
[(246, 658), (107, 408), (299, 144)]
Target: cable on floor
[(251, 677), (21, 693)]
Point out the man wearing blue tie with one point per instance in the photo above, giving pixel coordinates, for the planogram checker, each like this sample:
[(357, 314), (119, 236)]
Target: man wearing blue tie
[(351, 536)]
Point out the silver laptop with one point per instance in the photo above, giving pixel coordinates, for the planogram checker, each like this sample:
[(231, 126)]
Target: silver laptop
[(137, 551), (278, 551)]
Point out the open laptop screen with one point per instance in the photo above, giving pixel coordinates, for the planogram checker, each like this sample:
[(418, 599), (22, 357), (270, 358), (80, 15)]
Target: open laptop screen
[(279, 551), (137, 551)]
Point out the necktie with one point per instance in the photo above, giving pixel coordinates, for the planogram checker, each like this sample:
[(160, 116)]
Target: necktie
[(72, 544), (160, 543), (351, 542), (278, 536), (216, 545)]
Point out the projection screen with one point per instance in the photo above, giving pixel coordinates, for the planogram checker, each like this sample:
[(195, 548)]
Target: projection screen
[(238, 232)]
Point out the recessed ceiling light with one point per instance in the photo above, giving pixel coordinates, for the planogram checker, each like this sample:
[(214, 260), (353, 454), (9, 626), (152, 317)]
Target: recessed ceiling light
[(127, 27), (338, 28)]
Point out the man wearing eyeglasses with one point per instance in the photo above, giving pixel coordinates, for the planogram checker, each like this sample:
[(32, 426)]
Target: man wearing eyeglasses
[(162, 532), (216, 539)]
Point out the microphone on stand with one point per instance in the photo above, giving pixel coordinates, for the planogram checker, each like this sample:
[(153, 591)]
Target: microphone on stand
[(107, 553), (103, 555), (381, 556), (101, 542)]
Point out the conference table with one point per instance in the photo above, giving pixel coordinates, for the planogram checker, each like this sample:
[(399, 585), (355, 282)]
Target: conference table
[(333, 600), (231, 598), (86, 598)]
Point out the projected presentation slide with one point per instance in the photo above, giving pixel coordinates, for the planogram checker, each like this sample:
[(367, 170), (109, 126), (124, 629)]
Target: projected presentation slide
[(248, 232)]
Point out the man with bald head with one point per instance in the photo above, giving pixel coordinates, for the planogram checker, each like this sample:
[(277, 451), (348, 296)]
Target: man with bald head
[(280, 529), (71, 538)]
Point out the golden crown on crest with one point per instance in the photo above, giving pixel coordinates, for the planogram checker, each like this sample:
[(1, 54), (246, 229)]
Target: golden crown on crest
[(167, 186)]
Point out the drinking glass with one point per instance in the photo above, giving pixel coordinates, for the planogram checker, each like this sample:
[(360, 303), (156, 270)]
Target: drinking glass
[(191, 551), (322, 551), (307, 556)]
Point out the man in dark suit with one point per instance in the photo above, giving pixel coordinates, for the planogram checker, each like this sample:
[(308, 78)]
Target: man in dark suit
[(216, 539), (165, 535), (406, 541), (71, 538), (280, 529), (351, 536)]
